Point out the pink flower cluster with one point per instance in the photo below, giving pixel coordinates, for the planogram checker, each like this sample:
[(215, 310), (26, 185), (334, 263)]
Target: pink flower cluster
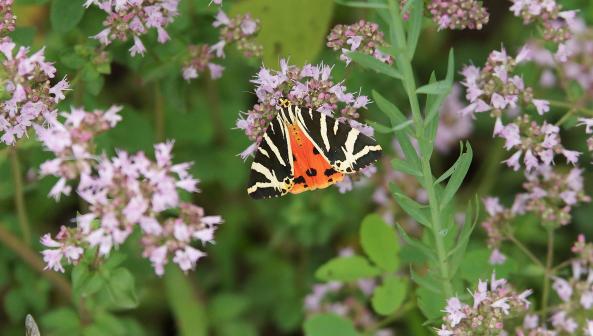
[(495, 87), (72, 144), (122, 192), (200, 59), (550, 194), (27, 96), (129, 191), (573, 314), (7, 18), (571, 60), (492, 304), (547, 14), (458, 14), (133, 18), (310, 86), (240, 30), (362, 36)]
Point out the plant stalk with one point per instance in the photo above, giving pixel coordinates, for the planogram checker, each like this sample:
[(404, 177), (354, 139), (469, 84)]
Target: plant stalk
[(19, 195), (548, 274)]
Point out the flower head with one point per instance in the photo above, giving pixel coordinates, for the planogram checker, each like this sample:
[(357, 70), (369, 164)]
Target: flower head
[(362, 36)]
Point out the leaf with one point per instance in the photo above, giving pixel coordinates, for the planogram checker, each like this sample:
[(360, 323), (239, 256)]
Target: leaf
[(414, 26), (425, 282), (121, 288), (372, 63), (433, 109), (451, 169), (302, 40), (404, 167), (346, 269), (188, 311), (65, 14), (419, 246), (390, 110), (458, 251), (389, 296), (431, 304), (458, 175), (61, 321), (379, 242), (329, 324), (361, 4), (436, 88), (411, 207)]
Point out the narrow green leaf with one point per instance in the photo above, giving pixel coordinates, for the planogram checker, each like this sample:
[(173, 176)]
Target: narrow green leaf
[(404, 167), (411, 207), (361, 4), (457, 176), (433, 109), (390, 110), (372, 63), (380, 243), (457, 253), (414, 26), (186, 306), (425, 281), (416, 244), (329, 324), (380, 128), (65, 14), (451, 169), (121, 288), (346, 269), (389, 296), (436, 88)]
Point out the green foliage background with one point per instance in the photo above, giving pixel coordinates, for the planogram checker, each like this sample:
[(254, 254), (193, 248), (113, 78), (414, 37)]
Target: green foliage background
[(263, 264)]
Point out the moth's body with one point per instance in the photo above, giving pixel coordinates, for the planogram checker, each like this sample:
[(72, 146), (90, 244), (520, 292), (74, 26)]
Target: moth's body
[(311, 170), (304, 150)]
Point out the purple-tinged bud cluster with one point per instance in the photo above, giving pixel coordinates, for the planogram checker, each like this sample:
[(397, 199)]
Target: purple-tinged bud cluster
[(551, 194), (240, 30), (362, 36), (310, 86), (72, 144), (27, 96), (548, 15), (7, 18), (492, 304), (130, 192), (494, 225), (131, 19), (458, 14), (200, 59)]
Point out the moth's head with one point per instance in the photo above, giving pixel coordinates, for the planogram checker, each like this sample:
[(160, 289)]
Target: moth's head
[(285, 103)]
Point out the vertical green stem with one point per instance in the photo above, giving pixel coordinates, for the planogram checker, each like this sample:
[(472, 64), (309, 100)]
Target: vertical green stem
[(549, 270), (19, 195), (159, 113), (405, 65)]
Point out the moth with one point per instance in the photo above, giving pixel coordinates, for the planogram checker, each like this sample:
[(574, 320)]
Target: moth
[(303, 150)]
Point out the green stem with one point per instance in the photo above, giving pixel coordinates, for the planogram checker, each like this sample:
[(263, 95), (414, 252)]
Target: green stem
[(549, 262), (525, 250), (405, 65), (159, 113), (19, 195), (571, 106)]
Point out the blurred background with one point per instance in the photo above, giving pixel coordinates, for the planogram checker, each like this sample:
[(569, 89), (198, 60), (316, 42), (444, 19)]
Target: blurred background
[(255, 278)]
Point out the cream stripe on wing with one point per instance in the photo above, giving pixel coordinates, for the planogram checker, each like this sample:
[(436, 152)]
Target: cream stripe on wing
[(274, 149), (323, 125)]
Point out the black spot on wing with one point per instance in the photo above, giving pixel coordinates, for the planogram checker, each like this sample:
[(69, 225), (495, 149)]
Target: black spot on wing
[(299, 180), (311, 172), (271, 162)]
